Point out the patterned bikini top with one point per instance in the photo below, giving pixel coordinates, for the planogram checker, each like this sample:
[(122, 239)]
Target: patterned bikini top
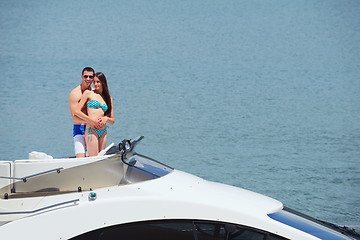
[(96, 104)]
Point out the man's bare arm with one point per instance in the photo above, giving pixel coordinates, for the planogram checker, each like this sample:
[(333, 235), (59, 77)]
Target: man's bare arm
[(78, 113)]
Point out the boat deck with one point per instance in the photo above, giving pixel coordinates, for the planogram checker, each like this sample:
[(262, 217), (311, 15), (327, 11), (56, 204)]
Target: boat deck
[(46, 177)]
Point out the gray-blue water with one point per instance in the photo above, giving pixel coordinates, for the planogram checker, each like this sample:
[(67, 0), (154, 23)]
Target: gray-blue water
[(262, 95)]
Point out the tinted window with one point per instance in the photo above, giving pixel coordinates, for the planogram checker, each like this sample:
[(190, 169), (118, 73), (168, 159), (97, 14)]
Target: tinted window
[(308, 225), (144, 230), (178, 230), (225, 231)]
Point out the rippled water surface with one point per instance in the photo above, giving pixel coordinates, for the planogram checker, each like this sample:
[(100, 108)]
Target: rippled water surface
[(262, 95)]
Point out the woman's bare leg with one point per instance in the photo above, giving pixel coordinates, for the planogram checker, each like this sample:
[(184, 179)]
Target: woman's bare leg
[(102, 142), (92, 143)]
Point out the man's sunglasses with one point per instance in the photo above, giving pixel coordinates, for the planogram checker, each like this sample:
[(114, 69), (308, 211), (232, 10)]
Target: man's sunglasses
[(87, 76)]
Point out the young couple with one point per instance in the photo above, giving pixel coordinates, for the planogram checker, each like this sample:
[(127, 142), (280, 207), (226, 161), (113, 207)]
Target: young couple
[(91, 109)]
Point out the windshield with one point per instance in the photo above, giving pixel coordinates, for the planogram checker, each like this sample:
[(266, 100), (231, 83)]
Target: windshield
[(146, 166)]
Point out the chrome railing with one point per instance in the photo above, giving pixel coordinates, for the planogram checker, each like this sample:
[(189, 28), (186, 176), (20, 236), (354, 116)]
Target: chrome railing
[(24, 179), (41, 209)]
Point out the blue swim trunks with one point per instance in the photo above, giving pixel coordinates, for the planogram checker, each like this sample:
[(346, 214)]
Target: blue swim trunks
[(79, 129)]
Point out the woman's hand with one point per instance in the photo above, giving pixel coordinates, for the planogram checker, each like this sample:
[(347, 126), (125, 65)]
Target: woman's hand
[(103, 120), (95, 123)]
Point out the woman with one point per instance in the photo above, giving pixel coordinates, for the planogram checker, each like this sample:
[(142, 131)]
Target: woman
[(99, 109)]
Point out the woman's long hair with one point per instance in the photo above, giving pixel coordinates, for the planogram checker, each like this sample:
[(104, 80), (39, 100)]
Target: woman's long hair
[(105, 93)]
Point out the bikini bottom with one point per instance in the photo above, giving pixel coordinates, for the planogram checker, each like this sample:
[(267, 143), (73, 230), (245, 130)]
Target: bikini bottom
[(99, 132)]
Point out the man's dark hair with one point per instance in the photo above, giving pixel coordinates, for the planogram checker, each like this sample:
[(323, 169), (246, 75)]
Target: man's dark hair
[(88, 69)]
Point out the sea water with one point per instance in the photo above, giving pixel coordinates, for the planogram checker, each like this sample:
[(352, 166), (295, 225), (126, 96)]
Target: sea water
[(262, 95)]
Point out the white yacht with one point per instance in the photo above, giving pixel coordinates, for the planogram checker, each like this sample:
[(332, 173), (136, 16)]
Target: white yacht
[(124, 195)]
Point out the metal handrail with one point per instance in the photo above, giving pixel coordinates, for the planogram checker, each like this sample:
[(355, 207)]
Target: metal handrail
[(40, 209), (24, 179)]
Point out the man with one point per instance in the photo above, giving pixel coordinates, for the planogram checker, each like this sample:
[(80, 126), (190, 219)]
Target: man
[(75, 95)]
